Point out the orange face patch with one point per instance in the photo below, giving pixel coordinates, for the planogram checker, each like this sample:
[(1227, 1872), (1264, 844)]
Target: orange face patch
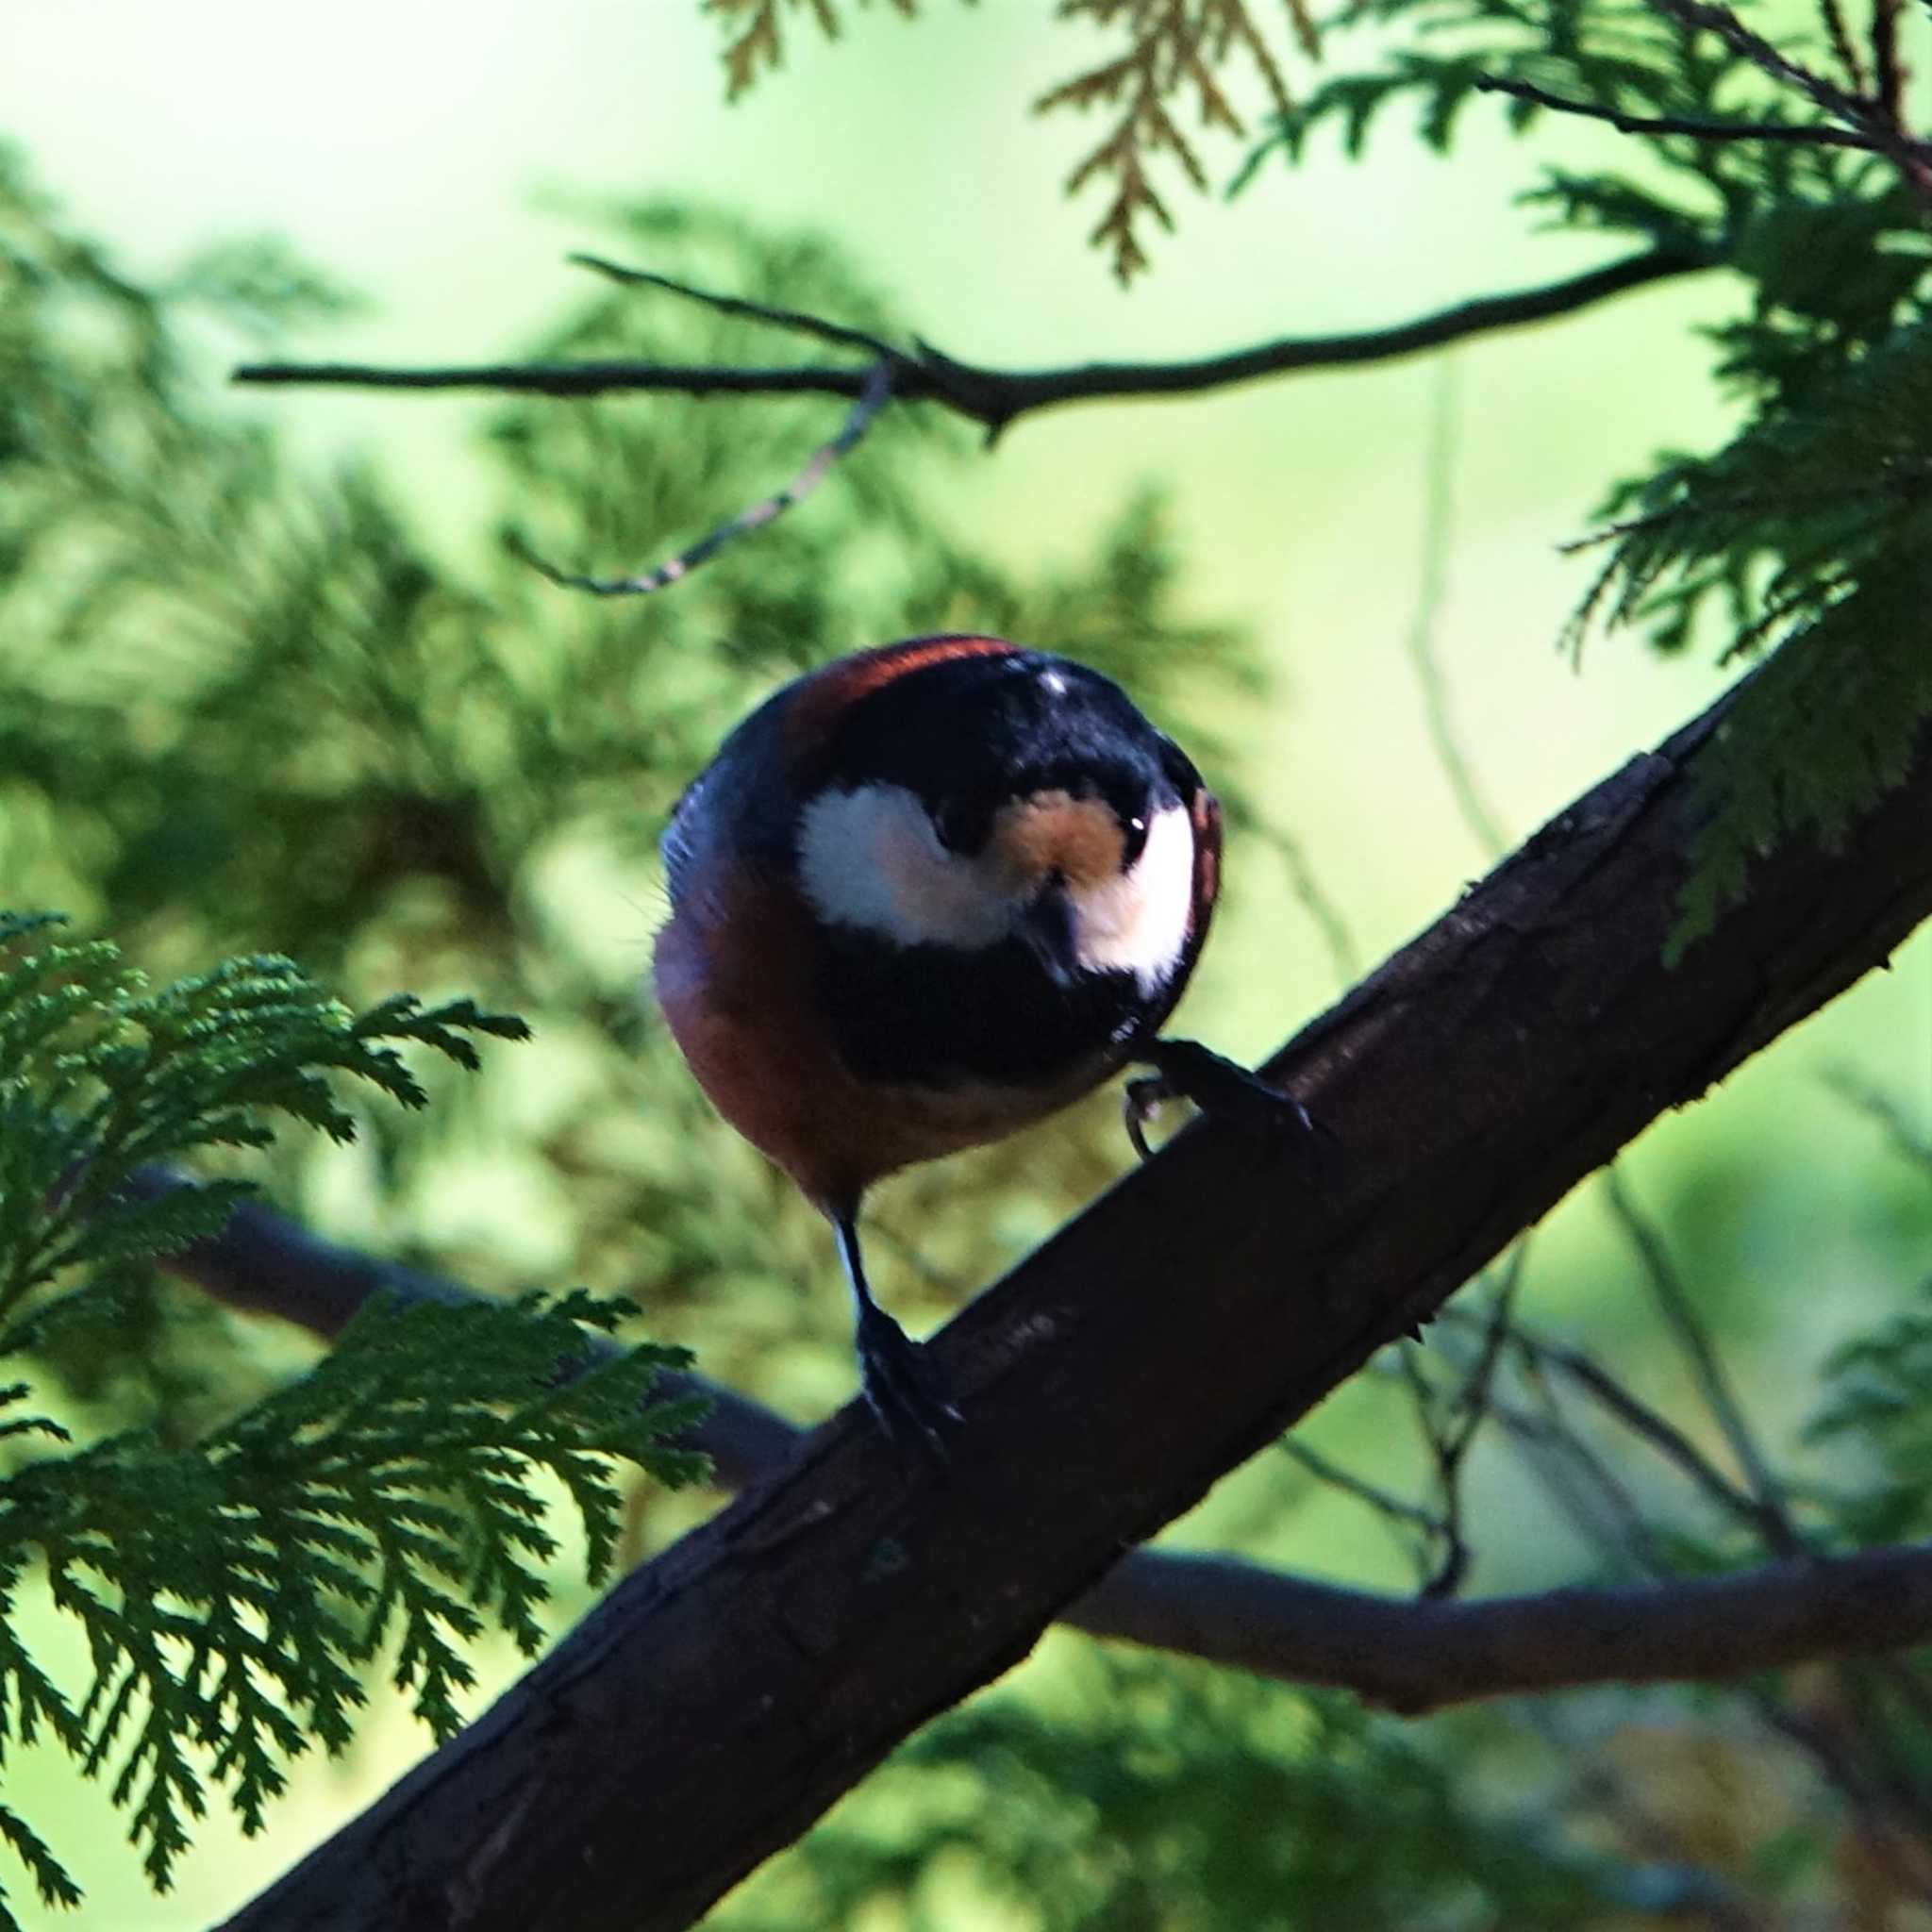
[(1078, 839)]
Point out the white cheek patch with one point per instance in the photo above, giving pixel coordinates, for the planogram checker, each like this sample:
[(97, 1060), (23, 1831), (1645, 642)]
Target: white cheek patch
[(1137, 922), (870, 859)]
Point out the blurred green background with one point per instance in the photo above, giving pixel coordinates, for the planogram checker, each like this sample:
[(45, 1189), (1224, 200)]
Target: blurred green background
[(441, 162)]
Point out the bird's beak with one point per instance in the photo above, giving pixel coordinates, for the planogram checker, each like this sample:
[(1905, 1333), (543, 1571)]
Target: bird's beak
[(1046, 930)]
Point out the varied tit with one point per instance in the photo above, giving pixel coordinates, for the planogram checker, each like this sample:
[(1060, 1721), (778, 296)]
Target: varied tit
[(921, 898)]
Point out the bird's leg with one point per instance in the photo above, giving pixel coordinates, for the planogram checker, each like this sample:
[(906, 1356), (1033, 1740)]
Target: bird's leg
[(1221, 1088), (902, 1385)]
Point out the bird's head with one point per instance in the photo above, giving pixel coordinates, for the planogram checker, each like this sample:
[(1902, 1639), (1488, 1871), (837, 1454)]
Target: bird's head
[(991, 797)]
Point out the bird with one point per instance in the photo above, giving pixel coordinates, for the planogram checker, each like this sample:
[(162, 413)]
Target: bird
[(921, 898)]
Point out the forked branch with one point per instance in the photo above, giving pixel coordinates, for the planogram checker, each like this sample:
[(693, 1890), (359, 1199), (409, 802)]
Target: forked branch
[(992, 397)]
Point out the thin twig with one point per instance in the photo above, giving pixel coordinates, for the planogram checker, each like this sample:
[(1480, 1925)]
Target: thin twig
[(1888, 76), (1809, 134), (1902, 1134), (1344, 955), (1473, 1399), (878, 388), (796, 320), (1772, 1515), (1442, 1558), (1469, 1409), (1394, 1509), (1903, 479), (1597, 1500), (1871, 117), (1649, 1426), (1437, 465), (1720, 20), (1842, 44)]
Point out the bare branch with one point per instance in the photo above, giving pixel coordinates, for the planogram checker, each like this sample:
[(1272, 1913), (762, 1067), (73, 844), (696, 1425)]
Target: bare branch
[(1304, 883), (878, 388), (1887, 75), (1902, 1134), (1842, 44), (1800, 134), (794, 319), (1772, 1514), (1397, 1511), (995, 398), (1714, 17), (1877, 118), (1485, 826), (1648, 1426), (595, 379), (1470, 1407), (265, 1263), (1415, 1656)]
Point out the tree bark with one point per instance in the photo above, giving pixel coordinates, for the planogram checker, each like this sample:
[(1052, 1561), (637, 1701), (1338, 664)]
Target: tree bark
[(725, 1695)]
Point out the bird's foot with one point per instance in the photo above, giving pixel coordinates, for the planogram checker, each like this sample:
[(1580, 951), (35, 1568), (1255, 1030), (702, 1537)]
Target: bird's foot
[(1222, 1088), (903, 1387)]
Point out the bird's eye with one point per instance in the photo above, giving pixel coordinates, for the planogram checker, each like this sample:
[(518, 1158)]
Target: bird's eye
[(961, 826), (1135, 842)]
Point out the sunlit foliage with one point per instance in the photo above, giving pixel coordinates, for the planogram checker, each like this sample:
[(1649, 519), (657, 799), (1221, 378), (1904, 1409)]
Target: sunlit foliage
[(233, 1591), (1808, 531), (1172, 74)]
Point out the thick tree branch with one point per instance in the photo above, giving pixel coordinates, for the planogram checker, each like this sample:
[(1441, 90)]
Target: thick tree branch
[(1418, 1654), (265, 1263), (996, 397), (728, 1692), (1410, 1655)]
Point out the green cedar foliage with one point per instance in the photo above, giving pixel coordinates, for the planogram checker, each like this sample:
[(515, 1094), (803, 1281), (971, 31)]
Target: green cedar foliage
[(1807, 531), (233, 1592), (1879, 1407), (1166, 75)]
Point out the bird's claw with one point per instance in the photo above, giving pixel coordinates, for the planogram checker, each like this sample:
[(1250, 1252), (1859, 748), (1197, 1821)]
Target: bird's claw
[(903, 1387), (1222, 1088), (1141, 1100)]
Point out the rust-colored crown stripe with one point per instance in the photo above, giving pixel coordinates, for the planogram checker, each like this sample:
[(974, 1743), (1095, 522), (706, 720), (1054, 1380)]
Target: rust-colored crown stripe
[(826, 695)]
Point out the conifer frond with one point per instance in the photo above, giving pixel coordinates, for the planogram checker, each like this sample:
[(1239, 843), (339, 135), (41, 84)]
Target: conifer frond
[(232, 1591), (1806, 532), (99, 1077), (1879, 1403), (1809, 531), (755, 40), (1177, 51)]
